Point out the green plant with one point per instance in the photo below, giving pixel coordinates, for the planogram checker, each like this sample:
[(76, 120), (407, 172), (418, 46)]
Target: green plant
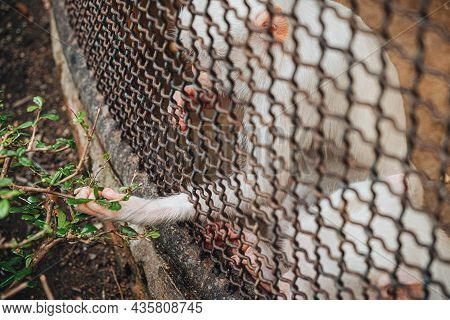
[(46, 203)]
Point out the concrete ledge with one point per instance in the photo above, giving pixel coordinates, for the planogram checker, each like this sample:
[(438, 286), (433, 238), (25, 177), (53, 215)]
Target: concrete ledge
[(174, 265)]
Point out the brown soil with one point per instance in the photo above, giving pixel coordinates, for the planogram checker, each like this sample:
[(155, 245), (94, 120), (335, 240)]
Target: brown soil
[(27, 69)]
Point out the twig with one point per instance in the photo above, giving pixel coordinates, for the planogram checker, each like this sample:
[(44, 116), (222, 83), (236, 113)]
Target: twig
[(46, 288), (33, 135), (22, 101), (48, 244), (72, 213), (43, 150), (6, 136), (47, 149), (117, 283), (7, 162), (5, 168), (13, 291), (96, 175), (83, 157), (41, 190), (34, 237), (134, 177), (49, 210), (44, 248)]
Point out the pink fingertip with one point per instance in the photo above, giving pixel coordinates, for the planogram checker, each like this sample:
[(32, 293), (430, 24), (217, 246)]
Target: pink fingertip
[(111, 194)]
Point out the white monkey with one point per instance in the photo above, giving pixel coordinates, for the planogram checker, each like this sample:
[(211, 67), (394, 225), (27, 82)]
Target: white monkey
[(255, 53), (244, 70)]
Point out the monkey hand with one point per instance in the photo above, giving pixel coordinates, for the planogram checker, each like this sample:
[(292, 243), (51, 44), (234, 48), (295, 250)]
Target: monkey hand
[(95, 209)]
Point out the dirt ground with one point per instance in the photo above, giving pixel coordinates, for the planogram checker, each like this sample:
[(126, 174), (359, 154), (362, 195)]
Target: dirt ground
[(27, 69), (430, 106)]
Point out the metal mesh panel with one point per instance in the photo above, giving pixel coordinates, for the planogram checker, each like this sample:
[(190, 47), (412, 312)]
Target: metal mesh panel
[(285, 123)]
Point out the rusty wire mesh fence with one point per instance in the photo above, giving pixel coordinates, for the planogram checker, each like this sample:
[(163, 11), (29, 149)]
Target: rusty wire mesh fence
[(305, 138)]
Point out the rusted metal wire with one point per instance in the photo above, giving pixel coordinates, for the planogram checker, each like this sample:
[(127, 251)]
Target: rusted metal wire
[(136, 53)]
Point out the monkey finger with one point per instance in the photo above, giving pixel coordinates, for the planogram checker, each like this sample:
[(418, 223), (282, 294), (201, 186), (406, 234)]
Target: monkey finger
[(111, 194), (82, 193), (85, 209), (100, 210)]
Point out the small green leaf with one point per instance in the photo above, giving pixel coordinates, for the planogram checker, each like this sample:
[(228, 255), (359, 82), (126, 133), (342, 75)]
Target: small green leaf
[(154, 234), (78, 217), (40, 144), (28, 261), (106, 157), (61, 232), (56, 177), (4, 182), (72, 143), (9, 265), (9, 194), (31, 108), (96, 195), (50, 116), (111, 205), (81, 115), (19, 275), (62, 222), (68, 185), (39, 101), (4, 208), (15, 210), (6, 267), (20, 152), (128, 231), (40, 223), (25, 125), (33, 199), (74, 201), (68, 169), (115, 206), (88, 229), (25, 162), (10, 153), (27, 217)]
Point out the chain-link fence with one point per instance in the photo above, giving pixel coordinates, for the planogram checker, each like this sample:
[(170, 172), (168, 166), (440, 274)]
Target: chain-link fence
[(317, 166)]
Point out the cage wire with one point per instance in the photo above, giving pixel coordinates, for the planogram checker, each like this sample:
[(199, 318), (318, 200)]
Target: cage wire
[(211, 111)]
